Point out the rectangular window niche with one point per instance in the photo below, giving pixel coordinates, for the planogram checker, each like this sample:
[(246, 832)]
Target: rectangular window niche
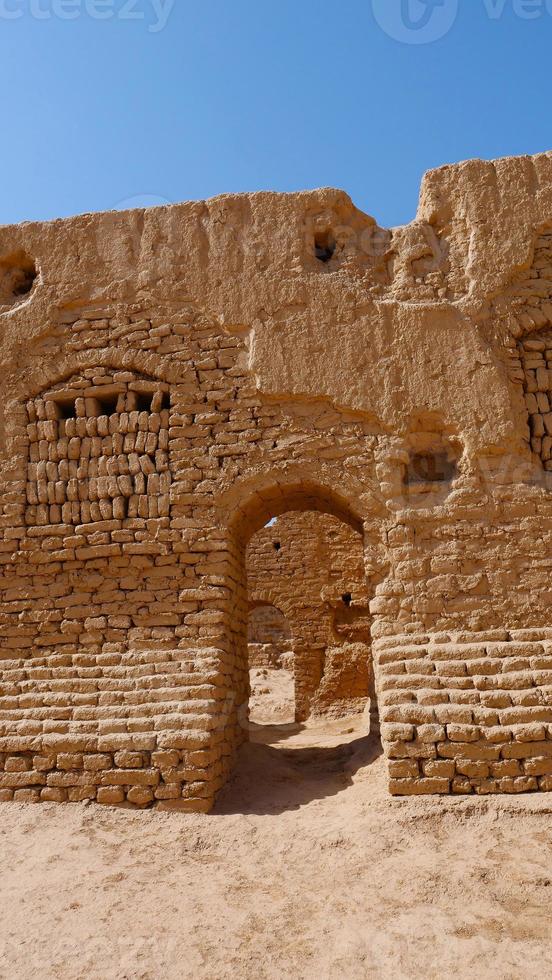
[(98, 452)]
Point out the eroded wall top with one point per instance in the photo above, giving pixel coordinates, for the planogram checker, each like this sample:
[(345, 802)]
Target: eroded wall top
[(388, 323)]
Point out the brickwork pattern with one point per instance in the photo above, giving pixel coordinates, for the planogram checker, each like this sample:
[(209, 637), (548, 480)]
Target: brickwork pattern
[(269, 641), (467, 713), (124, 524), (98, 451), (267, 624), (134, 726)]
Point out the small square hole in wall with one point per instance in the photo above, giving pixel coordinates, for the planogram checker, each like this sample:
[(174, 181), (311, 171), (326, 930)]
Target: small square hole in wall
[(347, 599), (18, 273), (430, 468), (324, 246), (143, 401), (66, 409), (107, 403), (276, 545)]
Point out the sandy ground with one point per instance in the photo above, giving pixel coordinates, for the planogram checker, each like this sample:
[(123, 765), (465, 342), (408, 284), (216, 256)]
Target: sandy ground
[(272, 699), (307, 869)]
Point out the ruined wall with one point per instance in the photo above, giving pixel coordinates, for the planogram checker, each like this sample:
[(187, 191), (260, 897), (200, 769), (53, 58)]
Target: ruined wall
[(267, 624), (269, 640), (468, 711), (112, 681), (274, 353), (311, 566)]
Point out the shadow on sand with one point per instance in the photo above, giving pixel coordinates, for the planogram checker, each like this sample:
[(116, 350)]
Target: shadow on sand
[(273, 775)]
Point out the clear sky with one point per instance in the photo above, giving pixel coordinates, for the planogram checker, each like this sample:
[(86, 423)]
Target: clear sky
[(111, 103)]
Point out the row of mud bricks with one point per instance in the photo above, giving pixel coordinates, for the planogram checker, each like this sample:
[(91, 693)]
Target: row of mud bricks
[(536, 361), (467, 715), (169, 779), (92, 466), (439, 760)]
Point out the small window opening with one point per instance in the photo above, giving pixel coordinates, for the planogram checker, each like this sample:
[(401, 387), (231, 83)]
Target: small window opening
[(166, 401), (25, 282), (66, 410), (430, 468), (347, 598), (108, 403), (276, 545), (324, 246), (143, 401), (18, 273)]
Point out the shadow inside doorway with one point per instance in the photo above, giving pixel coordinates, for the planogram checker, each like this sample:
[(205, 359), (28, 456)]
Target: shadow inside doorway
[(285, 767)]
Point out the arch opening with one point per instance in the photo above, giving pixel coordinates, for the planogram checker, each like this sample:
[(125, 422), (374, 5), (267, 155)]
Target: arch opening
[(335, 704), (319, 559), (271, 665), (268, 502)]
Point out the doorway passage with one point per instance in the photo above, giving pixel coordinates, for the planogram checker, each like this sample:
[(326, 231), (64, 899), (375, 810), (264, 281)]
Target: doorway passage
[(271, 666), (308, 625)]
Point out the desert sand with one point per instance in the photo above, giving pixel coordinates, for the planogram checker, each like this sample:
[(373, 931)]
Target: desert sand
[(272, 698), (307, 868)]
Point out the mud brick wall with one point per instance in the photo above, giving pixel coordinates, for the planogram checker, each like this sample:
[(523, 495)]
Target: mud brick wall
[(106, 637), (267, 625), (347, 681), (536, 361), (268, 638), (467, 713), (277, 655), (175, 377), (98, 451), (111, 727)]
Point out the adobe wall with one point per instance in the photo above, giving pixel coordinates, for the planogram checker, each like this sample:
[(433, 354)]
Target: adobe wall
[(311, 566), (267, 624), (288, 354), (269, 640)]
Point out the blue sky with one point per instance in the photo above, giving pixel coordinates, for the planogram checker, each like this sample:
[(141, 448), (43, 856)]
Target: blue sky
[(157, 104)]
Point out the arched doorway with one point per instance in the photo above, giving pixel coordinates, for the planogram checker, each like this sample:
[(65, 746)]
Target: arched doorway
[(271, 665), (268, 627), (310, 565), (256, 510)]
